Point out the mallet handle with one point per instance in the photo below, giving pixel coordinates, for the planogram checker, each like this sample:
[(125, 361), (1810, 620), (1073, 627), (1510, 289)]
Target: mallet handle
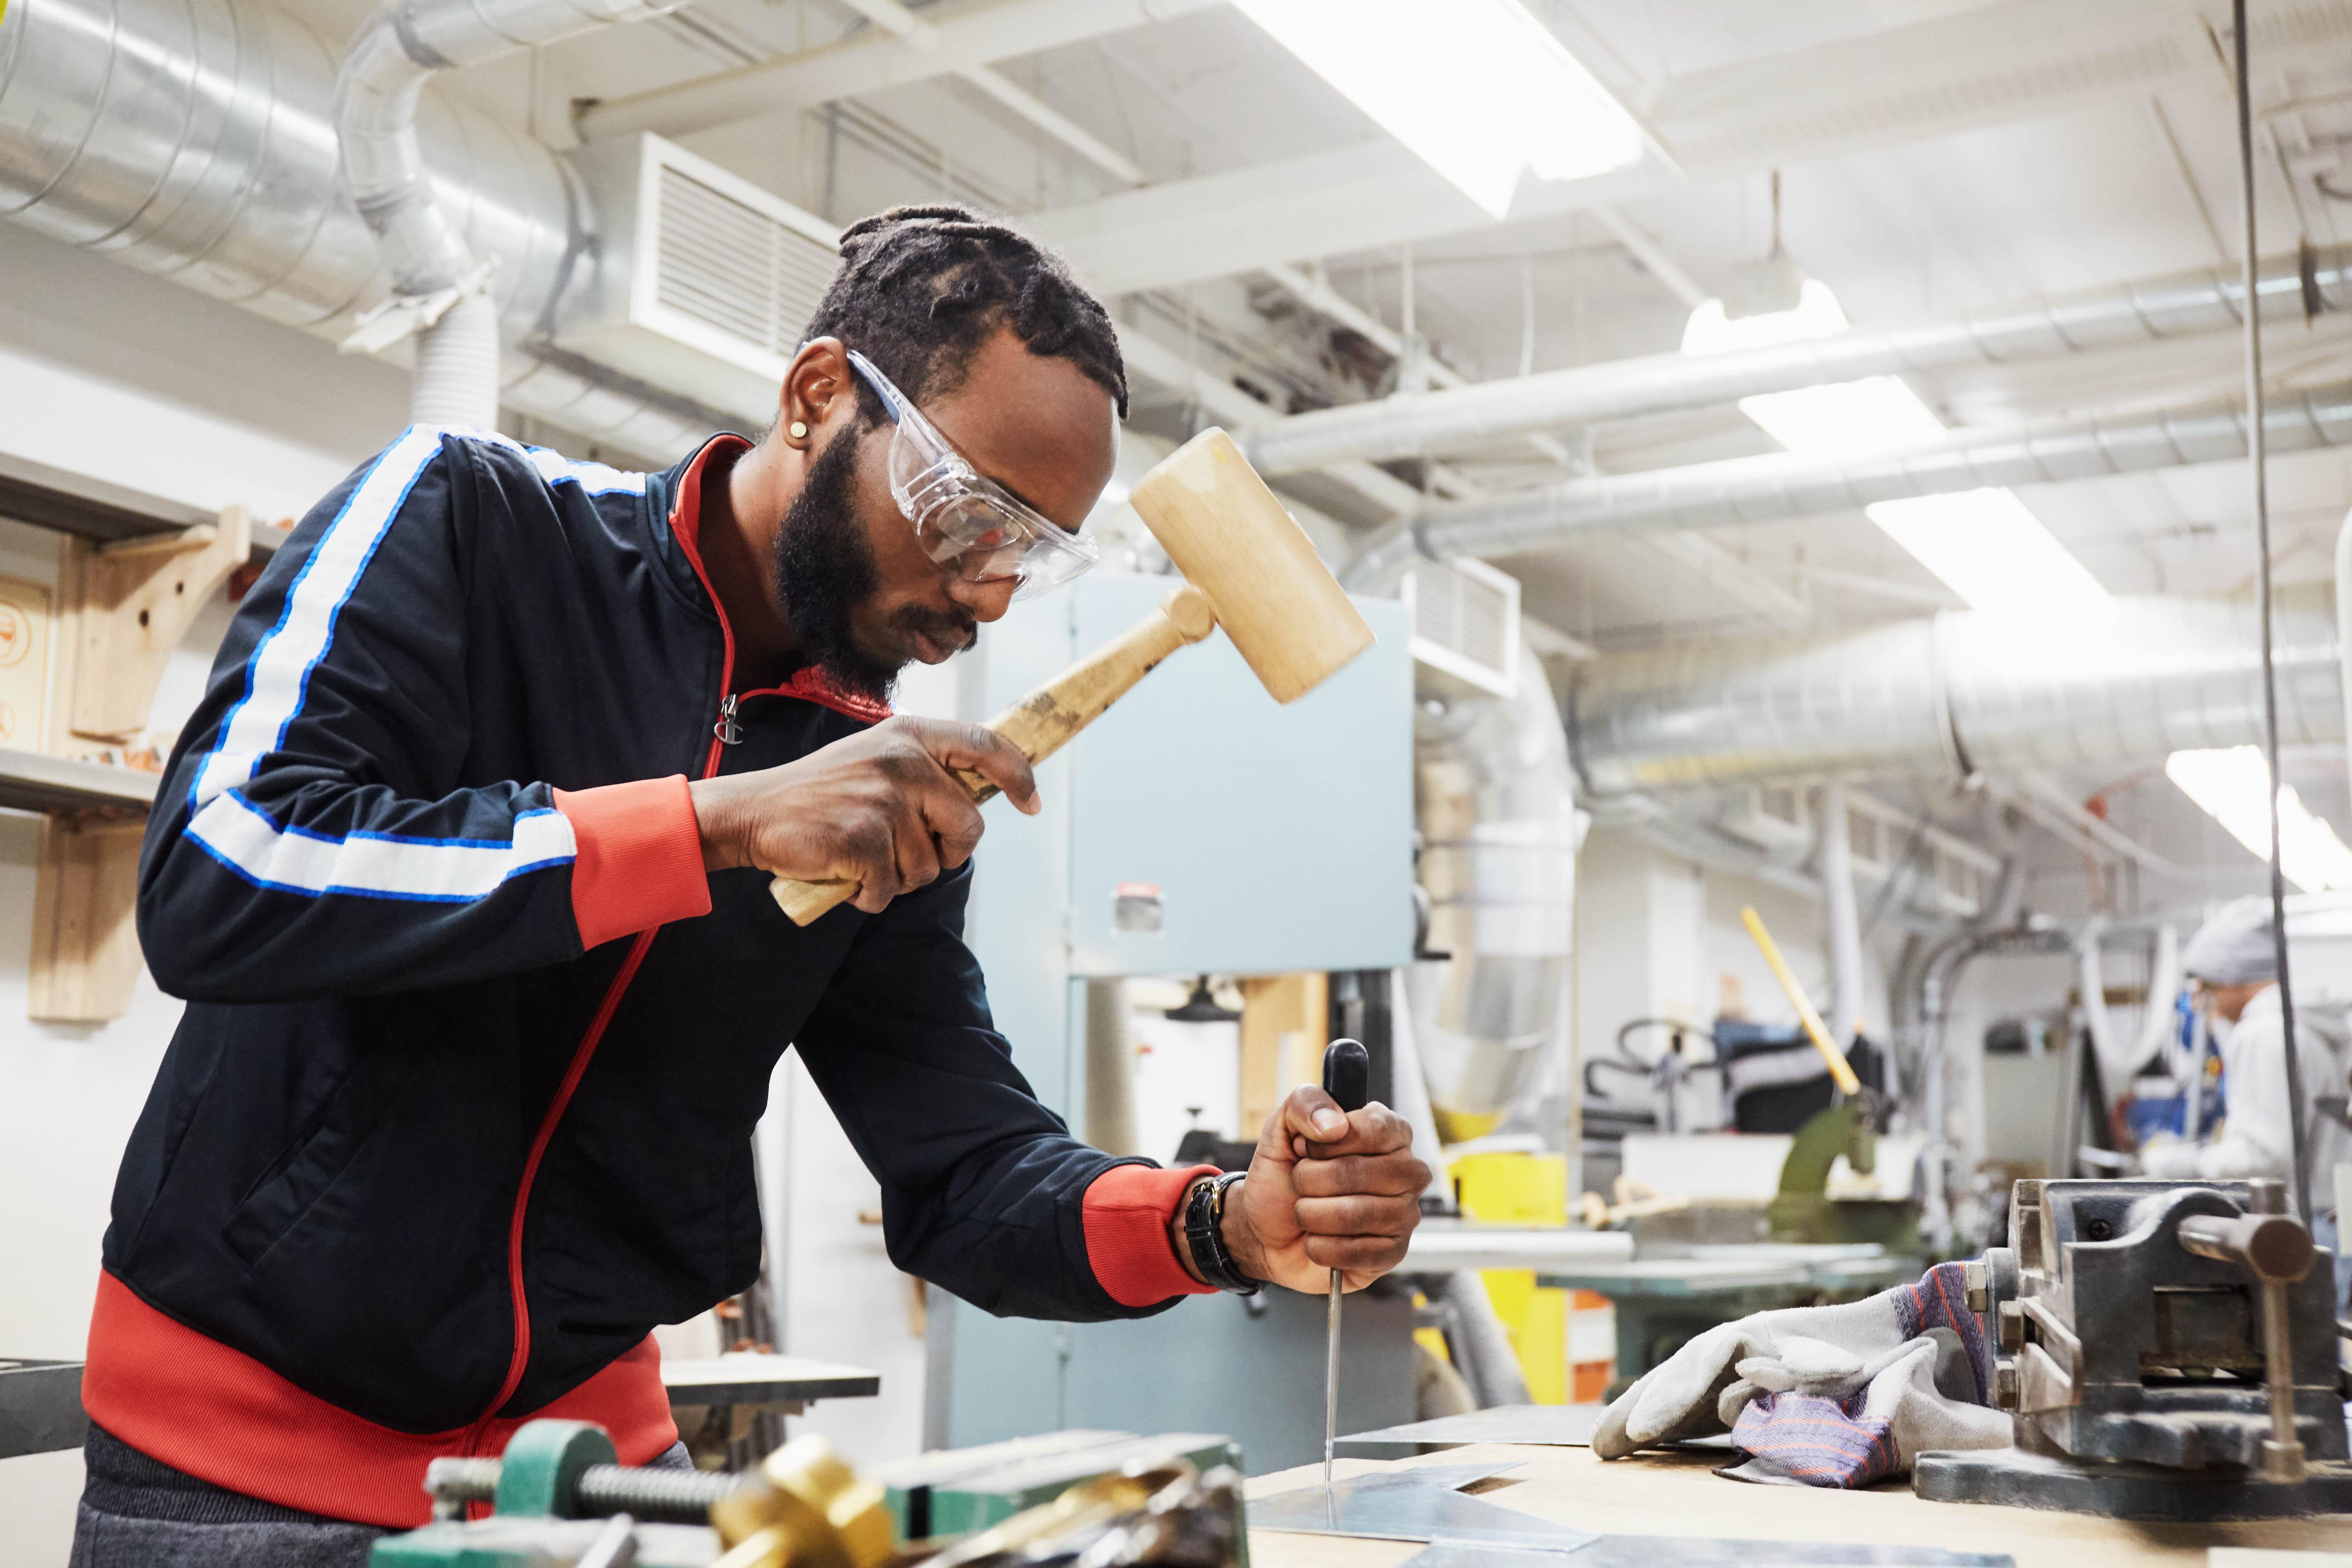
[(1042, 722)]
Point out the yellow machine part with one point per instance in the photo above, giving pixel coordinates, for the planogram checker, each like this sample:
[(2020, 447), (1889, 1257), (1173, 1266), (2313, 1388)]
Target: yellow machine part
[(1523, 1189), (1461, 1126)]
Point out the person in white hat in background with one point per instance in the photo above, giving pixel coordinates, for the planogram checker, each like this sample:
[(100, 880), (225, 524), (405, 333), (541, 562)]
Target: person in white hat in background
[(2232, 961)]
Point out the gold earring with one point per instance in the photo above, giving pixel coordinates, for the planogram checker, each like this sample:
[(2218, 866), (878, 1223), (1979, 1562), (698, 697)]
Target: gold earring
[(797, 431)]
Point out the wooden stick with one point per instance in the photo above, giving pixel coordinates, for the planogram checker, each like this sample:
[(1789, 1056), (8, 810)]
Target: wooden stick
[(1044, 722), (1839, 1068)]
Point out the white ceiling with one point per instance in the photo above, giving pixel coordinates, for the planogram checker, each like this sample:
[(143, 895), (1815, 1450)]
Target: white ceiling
[(1994, 193)]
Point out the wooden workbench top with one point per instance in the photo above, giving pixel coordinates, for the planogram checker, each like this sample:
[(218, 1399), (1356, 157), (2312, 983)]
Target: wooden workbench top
[(1677, 1494)]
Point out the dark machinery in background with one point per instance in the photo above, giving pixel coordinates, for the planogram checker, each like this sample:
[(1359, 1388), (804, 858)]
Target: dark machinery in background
[(2169, 1351), (1773, 1080)]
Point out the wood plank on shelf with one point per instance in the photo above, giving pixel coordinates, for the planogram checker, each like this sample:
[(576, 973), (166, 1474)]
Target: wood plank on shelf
[(50, 496), (99, 511), (30, 781)]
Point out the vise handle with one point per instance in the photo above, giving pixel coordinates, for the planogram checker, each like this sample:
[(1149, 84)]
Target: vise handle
[(2270, 1246)]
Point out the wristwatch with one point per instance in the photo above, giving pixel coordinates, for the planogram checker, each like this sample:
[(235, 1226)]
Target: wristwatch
[(1204, 1231)]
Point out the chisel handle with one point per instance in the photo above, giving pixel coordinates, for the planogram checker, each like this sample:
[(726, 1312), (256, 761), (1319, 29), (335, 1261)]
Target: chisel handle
[(1044, 722), (1348, 1073)]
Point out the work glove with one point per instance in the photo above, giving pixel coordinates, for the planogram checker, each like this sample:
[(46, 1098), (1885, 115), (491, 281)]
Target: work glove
[(1837, 1396), (2167, 1156)]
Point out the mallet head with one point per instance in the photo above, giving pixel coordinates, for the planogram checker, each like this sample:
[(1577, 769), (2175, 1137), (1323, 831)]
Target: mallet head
[(1232, 539)]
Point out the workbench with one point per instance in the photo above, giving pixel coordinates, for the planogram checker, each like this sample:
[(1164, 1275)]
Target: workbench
[(1678, 1494), (1663, 1302)]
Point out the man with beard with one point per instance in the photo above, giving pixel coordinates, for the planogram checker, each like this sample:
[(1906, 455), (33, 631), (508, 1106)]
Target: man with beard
[(462, 865)]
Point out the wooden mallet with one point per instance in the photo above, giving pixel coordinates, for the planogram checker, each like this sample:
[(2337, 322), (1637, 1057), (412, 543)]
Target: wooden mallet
[(1248, 567)]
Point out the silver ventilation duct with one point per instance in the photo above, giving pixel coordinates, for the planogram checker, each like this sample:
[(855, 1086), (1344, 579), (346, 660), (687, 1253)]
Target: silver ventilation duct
[(1960, 693), (1411, 424), (438, 286), (1498, 863), (195, 140), (1785, 485)]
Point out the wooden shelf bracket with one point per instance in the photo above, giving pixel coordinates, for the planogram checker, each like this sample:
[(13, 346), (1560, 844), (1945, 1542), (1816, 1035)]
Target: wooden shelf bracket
[(123, 605)]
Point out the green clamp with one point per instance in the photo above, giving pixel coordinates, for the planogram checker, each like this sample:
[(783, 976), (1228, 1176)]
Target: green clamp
[(540, 1473)]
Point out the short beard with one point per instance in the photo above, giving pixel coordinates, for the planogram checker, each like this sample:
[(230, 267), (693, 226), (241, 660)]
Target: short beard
[(825, 569)]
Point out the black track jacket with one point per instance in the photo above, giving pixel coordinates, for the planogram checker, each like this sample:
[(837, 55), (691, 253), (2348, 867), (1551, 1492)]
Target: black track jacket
[(461, 1104)]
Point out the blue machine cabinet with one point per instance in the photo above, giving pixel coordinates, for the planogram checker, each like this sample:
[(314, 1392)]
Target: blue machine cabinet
[(1272, 840)]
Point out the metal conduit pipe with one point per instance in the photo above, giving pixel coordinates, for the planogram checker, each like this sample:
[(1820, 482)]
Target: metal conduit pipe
[(2344, 610), (2292, 287), (194, 140), (437, 284), (1780, 485), (1491, 789), (1960, 693)]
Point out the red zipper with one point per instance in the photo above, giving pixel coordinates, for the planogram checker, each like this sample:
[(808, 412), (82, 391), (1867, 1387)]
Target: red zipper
[(580, 1054)]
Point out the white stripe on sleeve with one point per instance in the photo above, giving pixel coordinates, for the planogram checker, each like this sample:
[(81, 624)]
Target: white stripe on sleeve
[(376, 865), (279, 670)]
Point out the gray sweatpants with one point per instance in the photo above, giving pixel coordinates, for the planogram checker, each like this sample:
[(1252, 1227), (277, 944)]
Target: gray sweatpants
[(139, 1513)]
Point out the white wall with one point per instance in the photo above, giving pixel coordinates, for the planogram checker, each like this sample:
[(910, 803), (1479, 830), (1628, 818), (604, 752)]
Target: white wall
[(127, 378)]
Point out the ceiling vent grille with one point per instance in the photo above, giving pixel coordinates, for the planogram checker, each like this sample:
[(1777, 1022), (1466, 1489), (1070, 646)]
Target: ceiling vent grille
[(732, 267), (705, 283), (1466, 623)]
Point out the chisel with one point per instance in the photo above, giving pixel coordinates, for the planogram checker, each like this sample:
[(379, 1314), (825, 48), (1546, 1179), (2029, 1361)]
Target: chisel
[(1347, 1079)]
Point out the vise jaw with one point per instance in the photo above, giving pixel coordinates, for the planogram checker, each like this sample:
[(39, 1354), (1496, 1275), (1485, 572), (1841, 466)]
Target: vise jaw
[(2120, 1341)]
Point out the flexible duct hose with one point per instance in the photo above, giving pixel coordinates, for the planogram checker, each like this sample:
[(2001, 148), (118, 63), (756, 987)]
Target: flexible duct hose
[(455, 382)]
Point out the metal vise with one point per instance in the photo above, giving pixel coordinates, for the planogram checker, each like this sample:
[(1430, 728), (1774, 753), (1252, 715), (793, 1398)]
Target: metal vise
[(2167, 1350)]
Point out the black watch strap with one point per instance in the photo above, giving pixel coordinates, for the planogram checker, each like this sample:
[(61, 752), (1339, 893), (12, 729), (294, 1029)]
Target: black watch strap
[(1204, 1232)]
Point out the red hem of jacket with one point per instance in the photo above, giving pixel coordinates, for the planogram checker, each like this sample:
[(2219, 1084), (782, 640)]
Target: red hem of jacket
[(637, 859), (1129, 1209), (218, 1415)]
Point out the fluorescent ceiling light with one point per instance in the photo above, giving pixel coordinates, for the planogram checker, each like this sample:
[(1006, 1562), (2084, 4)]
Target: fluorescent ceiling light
[(1847, 418), (2227, 784), (1479, 88), (1989, 549), (1986, 545), (1817, 315)]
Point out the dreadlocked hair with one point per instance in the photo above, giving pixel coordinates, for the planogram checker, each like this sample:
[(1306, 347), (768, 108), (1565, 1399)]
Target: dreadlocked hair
[(922, 288)]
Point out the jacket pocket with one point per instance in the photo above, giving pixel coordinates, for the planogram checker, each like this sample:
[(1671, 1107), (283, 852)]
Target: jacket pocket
[(279, 1200)]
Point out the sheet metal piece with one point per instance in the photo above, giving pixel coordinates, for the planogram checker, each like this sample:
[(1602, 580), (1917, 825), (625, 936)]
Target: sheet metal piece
[(1694, 1551), (1547, 1425), (40, 1407), (1420, 1504)]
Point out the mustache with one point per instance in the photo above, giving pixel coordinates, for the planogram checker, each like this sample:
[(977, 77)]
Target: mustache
[(954, 633)]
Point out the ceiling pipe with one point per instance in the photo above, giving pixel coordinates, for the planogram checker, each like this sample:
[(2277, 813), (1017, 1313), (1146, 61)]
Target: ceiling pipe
[(2344, 610), (959, 39), (1410, 425), (1781, 485), (438, 288), (197, 143), (1955, 696)]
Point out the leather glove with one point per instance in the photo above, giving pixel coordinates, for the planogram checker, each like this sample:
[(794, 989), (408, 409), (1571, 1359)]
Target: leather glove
[(1825, 1395)]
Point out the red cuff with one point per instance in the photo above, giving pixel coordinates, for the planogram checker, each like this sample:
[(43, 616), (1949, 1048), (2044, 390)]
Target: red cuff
[(1127, 1212), (638, 863)]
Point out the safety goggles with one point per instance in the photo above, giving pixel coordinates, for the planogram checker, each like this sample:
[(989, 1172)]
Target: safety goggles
[(963, 518)]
